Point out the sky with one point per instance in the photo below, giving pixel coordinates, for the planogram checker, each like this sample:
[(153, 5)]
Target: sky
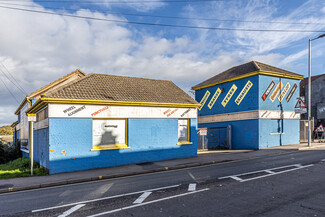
[(186, 41)]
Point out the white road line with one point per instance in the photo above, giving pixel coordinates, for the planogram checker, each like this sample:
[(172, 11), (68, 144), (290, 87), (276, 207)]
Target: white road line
[(258, 171), (322, 160), (146, 203), (192, 187), (142, 197), (272, 174), (73, 209), (269, 171), (191, 175), (236, 178), (104, 198)]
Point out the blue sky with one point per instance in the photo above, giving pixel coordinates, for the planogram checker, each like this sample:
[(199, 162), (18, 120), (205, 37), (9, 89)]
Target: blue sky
[(39, 48)]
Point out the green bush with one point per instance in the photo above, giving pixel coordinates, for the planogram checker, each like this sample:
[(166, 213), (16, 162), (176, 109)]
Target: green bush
[(9, 153)]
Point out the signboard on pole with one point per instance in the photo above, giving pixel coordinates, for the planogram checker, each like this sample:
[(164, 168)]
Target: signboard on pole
[(300, 106), (203, 132), (320, 129)]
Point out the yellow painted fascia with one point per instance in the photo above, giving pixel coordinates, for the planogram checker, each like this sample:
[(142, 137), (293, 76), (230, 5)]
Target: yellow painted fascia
[(31, 115), (276, 74), (14, 124), (37, 106), (106, 102), (20, 106)]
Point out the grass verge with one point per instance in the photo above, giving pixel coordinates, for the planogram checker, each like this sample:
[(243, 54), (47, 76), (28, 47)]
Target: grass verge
[(20, 168)]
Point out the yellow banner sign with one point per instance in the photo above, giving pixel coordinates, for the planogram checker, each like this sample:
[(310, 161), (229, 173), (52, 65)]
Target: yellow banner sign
[(229, 95), (204, 99), (243, 92), (214, 98), (276, 91), (284, 92)]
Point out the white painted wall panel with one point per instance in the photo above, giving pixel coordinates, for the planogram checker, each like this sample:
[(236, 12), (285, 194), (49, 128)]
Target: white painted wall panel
[(108, 111)]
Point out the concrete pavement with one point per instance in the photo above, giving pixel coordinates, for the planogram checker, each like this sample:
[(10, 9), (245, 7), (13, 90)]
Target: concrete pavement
[(203, 158)]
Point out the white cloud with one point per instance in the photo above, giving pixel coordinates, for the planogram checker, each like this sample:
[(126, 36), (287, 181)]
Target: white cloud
[(38, 48), (138, 6)]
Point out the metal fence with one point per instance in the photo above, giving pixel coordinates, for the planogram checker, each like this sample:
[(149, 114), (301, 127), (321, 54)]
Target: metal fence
[(214, 138)]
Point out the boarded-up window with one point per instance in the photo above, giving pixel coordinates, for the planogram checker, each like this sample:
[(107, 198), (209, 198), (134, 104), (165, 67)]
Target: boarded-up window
[(183, 130), (109, 132)]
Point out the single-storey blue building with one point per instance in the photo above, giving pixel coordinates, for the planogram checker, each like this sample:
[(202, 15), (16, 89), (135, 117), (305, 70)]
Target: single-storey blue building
[(256, 100), (100, 120)]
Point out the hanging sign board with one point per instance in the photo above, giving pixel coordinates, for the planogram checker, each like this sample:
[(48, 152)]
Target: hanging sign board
[(291, 92), (320, 129), (268, 90)]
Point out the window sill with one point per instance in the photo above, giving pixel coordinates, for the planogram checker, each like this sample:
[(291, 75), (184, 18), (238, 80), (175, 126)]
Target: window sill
[(109, 147), (184, 143)]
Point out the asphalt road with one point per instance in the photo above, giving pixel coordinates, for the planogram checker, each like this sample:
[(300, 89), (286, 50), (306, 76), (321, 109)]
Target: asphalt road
[(284, 185)]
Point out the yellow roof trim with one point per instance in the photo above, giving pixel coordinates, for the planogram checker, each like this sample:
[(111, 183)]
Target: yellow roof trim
[(44, 101), (276, 74), (14, 124)]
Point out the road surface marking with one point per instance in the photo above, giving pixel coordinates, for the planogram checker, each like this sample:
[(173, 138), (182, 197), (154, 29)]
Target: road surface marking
[(149, 202), (73, 209), (104, 198), (322, 160), (192, 187), (285, 171), (142, 197), (269, 171), (191, 175)]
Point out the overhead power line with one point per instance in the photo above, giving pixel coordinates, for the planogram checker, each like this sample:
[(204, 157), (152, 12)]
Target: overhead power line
[(174, 17), (164, 25), (19, 87), (9, 90)]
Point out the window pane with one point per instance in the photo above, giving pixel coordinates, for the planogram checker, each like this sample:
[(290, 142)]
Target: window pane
[(183, 130), (109, 132)]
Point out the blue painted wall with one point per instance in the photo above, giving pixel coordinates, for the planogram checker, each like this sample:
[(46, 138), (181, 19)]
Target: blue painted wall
[(70, 141), (244, 133), (253, 134), (264, 82), (41, 147), (249, 103), (289, 127)]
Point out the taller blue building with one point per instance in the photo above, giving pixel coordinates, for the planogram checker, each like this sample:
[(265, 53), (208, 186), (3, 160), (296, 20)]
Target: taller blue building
[(256, 100)]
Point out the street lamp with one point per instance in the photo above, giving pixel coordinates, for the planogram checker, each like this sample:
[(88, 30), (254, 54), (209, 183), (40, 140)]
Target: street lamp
[(309, 89)]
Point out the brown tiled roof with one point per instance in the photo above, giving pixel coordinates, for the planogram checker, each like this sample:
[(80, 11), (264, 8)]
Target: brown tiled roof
[(121, 88), (243, 69), (50, 85)]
